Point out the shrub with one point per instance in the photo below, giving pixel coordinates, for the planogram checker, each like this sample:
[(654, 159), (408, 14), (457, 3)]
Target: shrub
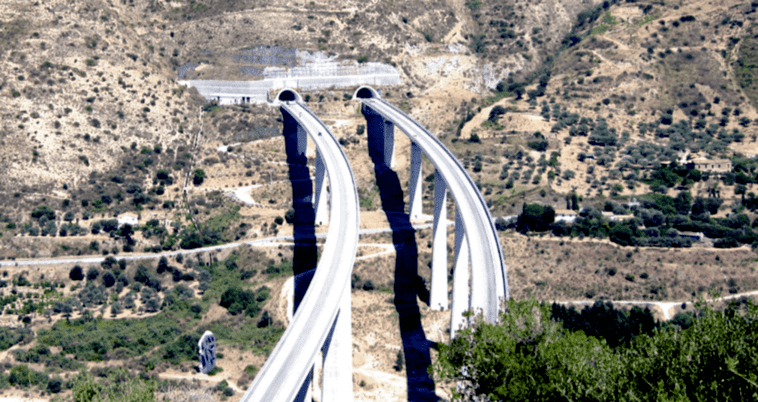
[(528, 346), (43, 211), (540, 146), (76, 273), (198, 177), (108, 279), (23, 376), (92, 274), (495, 113), (236, 300), (535, 217), (54, 386), (290, 216)]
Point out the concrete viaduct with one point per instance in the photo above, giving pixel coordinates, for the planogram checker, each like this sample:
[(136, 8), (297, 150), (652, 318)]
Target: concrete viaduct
[(319, 334)]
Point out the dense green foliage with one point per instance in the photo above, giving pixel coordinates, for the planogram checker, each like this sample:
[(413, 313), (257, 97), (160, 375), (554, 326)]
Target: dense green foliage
[(41, 354), (237, 300), (535, 217), (91, 339), (120, 386), (531, 356), (12, 336)]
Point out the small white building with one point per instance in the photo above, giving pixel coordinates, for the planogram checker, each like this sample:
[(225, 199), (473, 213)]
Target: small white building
[(127, 219), (616, 218), (565, 215), (633, 203)]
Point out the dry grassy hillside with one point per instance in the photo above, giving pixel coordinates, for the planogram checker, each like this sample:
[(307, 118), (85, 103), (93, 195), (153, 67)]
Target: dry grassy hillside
[(538, 100), (641, 84)]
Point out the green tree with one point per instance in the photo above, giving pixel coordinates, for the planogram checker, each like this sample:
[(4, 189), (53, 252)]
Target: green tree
[(290, 215), (92, 274), (76, 273), (43, 211), (495, 113), (535, 217), (683, 203), (621, 234), (198, 177)]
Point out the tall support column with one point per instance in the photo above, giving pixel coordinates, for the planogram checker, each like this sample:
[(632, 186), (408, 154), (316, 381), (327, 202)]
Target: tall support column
[(295, 139), (389, 144), (479, 286), (416, 183), (337, 379), (460, 277), (438, 293), (381, 138), (320, 194)]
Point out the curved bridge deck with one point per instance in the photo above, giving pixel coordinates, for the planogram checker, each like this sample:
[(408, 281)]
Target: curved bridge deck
[(328, 295)]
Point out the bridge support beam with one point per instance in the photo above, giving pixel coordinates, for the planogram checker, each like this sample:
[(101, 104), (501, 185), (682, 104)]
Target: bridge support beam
[(460, 277), (337, 378), (295, 140), (381, 138), (320, 193), (416, 183), (438, 292)]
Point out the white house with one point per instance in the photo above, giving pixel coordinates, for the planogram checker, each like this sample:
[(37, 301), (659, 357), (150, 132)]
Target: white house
[(565, 215), (127, 219)]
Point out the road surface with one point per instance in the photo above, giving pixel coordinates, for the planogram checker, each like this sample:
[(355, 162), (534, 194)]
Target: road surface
[(291, 361)]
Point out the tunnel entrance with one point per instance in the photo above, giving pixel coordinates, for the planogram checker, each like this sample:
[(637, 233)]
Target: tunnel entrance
[(365, 93), (287, 95)]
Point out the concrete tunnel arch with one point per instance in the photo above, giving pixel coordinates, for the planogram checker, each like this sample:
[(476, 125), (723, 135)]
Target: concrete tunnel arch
[(366, 92), (288, 95)]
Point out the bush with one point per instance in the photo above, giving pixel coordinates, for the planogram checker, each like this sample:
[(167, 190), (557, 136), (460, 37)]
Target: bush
[(43, 211), (198, 177), (535, 217), (540, 146), (547, 359), (290, 215), (236, 300), (22, 376), (621, 234), (54, 386), (92, 274), (495, 113), (108, 279), (76, 273)]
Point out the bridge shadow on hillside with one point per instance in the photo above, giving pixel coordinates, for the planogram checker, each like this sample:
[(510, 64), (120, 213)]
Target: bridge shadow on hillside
[(408, 286), (305, 254)]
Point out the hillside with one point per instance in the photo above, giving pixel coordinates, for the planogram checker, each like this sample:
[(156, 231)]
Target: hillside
[(543, 102)]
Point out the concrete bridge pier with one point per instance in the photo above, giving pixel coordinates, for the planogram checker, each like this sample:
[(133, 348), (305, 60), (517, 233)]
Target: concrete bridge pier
[(320, 194), (460, 277), (416, 183), (381, 137), (438, 293), (337, 377), (295, 139)]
